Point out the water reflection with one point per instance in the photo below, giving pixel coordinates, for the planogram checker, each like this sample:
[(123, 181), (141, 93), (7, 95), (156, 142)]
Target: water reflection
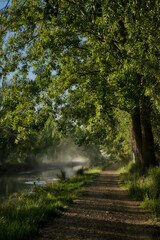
[(24, 181)]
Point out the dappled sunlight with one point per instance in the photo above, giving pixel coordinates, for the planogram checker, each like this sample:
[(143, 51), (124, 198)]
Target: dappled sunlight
[(103, 212)]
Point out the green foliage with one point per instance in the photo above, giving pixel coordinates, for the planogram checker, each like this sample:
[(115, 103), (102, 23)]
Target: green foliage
[(120, 146), (89, 59), (26, 126), (23, 214), (19, 120), (152, 205), (144, 186)]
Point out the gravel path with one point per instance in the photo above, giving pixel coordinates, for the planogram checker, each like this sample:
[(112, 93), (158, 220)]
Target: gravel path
[(104, 212)]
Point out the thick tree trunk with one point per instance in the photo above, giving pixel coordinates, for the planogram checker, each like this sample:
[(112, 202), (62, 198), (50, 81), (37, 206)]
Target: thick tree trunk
[(137, 136), (147, 135), (142, 133)]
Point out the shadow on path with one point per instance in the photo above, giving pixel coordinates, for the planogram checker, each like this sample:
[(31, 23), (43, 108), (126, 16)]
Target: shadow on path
[(104, 212)]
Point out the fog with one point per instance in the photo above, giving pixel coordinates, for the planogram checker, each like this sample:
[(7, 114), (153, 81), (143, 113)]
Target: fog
[(67, 153)]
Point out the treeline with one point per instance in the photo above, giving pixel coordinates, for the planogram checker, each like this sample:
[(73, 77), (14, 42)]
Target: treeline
[(30, 136)]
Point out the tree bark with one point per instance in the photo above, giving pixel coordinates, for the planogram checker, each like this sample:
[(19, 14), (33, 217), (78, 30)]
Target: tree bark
[(149, 158), (143, 143), (137, 136)]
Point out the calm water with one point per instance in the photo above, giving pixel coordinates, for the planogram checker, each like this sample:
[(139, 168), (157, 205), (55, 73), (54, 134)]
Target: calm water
[(24, 181)]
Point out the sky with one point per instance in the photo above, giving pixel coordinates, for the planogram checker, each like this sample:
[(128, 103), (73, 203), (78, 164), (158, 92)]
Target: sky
[(30, 75), (3, 3)]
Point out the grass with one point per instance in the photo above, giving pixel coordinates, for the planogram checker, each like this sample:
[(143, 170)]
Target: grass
[(23, 214), (143, 186)]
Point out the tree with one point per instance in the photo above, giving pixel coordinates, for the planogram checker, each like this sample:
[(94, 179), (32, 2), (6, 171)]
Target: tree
[(92, 57), (21, 119)]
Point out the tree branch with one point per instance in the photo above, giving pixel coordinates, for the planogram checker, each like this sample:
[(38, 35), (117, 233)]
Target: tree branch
[(88, 73)]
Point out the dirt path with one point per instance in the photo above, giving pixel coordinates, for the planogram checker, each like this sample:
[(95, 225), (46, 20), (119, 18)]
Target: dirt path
[(105, 212)]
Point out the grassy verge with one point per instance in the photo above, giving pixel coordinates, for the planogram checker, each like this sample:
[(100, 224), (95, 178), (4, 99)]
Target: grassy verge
[(143, 186), (23, 214)]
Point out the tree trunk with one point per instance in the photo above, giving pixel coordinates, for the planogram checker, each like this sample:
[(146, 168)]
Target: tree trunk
[(134, 149), (143, 144), (137, 136), (147, 135)]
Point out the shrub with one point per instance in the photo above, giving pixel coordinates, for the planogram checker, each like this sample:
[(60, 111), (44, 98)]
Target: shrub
[(62, 175), (80, 171)]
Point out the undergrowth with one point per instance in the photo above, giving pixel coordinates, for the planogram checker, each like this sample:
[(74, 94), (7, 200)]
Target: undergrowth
[(23, 214), (143, 186)]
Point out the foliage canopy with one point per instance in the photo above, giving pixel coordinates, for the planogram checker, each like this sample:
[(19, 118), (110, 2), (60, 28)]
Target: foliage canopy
[(90, 59)]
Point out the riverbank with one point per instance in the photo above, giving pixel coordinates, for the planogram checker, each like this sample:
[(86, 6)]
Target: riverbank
[(23, 214), (105, 211), (12, 169)]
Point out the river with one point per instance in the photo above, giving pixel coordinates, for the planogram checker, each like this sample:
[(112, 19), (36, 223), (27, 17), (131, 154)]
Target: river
[(24, 181)]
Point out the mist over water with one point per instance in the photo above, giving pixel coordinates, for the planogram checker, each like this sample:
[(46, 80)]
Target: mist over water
[(66, 152), (69, 159), (66, 157)]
